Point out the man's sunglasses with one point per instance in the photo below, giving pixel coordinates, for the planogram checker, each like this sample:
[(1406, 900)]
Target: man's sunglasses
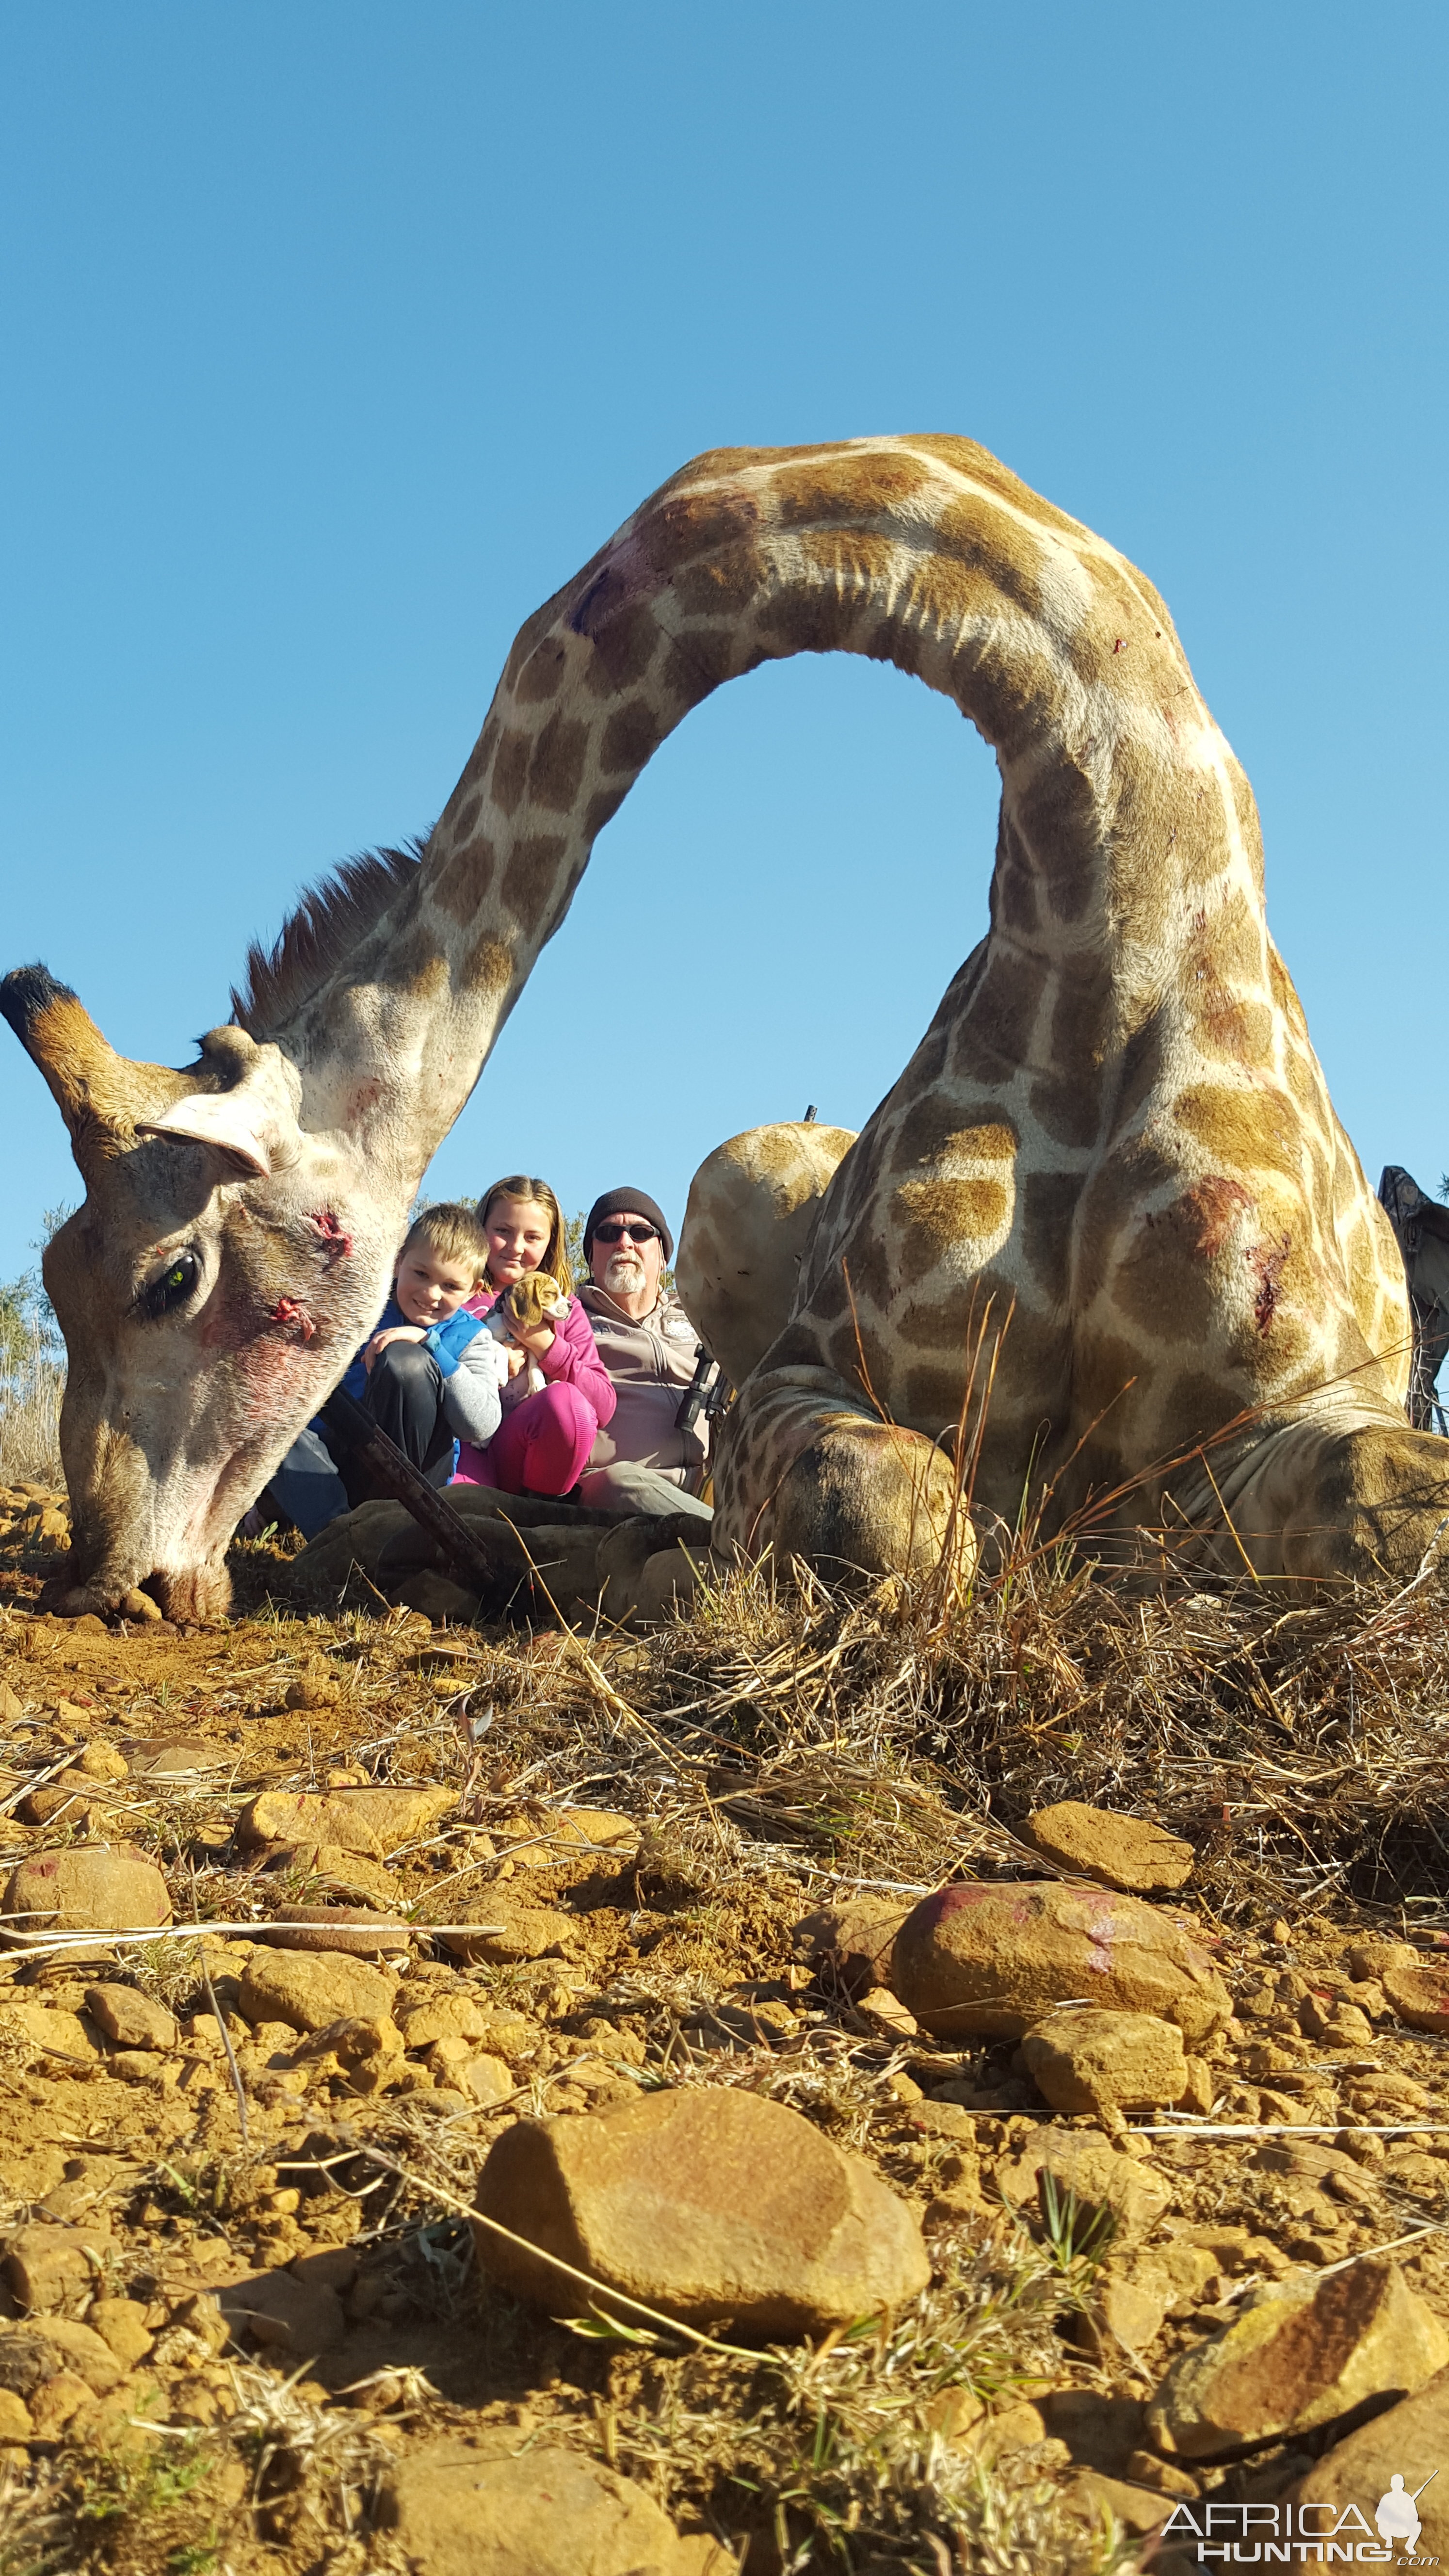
[(614, 1232)]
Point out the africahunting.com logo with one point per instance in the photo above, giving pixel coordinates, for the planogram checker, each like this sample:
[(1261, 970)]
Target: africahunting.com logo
[(1285, 2535)]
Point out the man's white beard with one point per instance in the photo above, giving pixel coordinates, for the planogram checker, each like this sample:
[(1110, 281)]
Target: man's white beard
[(625, 1271)]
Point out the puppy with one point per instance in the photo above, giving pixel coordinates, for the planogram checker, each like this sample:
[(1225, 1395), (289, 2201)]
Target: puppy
[(533, 1300)]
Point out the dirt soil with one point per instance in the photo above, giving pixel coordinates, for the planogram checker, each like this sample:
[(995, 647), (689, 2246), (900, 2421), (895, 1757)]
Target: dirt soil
[(759, 1762)]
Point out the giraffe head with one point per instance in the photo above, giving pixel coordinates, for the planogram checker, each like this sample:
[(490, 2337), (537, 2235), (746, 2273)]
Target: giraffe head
[(221, 1270)]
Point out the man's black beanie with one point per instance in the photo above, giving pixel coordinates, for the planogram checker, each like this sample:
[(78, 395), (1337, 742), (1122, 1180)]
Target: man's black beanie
[(620, 1203)]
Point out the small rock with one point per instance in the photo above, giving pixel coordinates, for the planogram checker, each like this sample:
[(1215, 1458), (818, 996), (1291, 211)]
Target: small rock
[(109, 1889), (1014, 2428), (348, 1875), (704, 2204), (350, 1929), (1419, 1994), (308, 1992), (888, 2013), (1095, 2173), (450, 2013), (1132, 2301), (1406, 2442), (1091, 2496), (439, 1598), (58, 2034), (121, 2324), (174, 1757), (55, 2402), (1299, 2354), (132, 2020), (316, 1691), (1145, 2468), (61, 1802), (455, 2512), (46, 2264), (1090, 2060), (1100, 2431), (98, 1761), (15, 2418), (1368, 1959), (11, 1707), (524, 1932), (856, 1938), (275, 2308), (1120, 1851), (984, 1960), (371, 1821)]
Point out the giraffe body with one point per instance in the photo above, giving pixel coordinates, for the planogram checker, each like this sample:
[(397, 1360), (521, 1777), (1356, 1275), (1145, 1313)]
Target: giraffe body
[(1110, 1177)]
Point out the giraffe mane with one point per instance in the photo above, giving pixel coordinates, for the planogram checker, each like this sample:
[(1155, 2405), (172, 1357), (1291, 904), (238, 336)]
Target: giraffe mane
[(319, 935)]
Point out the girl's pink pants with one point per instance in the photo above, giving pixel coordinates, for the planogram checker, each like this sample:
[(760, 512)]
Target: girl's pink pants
[(541, 1447)]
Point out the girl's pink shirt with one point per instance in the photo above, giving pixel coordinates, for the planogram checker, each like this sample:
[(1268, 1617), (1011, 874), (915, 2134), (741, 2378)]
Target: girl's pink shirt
[(572, 1357)]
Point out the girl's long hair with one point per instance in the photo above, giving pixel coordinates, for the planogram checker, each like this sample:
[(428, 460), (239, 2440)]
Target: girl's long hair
[(522, 1185)]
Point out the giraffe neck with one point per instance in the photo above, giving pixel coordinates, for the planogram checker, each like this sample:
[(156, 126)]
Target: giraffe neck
[(1128, 833)]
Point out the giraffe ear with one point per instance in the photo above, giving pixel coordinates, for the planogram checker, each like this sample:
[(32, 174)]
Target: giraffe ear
[(252, 1122)]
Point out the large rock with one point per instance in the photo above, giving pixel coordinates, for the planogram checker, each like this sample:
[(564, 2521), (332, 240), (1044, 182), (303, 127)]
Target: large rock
[(1407, 2442), (1302, 2352), (987, 1961), (1105, 2061), (1121, 1851), (708, 2205), (311, 1991), (113, 1888), (453, 2512), (370, 1821)]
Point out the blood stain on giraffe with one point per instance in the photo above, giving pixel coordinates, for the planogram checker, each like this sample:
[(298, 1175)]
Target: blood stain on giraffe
[(1266, 1261), (336, 1241)]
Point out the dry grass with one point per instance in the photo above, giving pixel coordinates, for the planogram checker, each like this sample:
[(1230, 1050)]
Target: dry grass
[(31, 1387)]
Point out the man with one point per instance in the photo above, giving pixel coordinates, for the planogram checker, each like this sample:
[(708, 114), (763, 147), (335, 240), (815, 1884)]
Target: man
[(641, 1461)]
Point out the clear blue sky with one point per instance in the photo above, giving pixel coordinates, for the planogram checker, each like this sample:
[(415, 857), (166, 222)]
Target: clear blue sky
[(335, 337)]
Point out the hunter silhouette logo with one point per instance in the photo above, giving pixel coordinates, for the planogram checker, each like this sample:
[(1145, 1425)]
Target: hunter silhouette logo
[(1397, 2514)]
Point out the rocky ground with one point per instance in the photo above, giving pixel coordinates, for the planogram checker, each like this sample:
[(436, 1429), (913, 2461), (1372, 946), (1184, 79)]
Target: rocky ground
[(558, 2126)]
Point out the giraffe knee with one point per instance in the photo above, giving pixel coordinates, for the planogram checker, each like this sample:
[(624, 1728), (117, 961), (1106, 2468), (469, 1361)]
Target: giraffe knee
[(868, 1498)]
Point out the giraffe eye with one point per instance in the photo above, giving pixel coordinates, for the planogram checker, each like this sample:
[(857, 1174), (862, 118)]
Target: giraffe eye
[(174, 1286)]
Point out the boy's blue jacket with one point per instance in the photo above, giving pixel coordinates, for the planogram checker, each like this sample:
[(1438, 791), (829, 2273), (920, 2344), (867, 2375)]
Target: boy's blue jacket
[(447, 1342)]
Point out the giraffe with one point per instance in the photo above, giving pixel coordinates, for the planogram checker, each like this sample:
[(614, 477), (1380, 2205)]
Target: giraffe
[(1112, 1155)]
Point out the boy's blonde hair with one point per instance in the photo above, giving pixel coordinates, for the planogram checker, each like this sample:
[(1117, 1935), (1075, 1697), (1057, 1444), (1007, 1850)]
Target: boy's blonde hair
[(521, 1185), (452, 1232)]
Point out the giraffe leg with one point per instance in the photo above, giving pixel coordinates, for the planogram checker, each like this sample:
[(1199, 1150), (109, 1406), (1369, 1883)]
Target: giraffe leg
[(809, 1470), (1334, 1502)]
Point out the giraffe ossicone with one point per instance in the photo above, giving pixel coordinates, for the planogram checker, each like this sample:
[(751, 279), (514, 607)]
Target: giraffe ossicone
[(1109, 1187)]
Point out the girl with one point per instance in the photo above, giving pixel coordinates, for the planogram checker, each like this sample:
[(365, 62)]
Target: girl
[(544, 1440)]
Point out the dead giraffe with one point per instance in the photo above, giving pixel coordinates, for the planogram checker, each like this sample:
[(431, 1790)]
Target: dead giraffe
[(1115, 1127)]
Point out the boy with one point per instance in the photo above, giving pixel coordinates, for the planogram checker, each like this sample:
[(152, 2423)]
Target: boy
[(428, 1374)]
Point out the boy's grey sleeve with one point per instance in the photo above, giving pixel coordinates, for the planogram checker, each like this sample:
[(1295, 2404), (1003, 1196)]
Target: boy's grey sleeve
[(472, 1403)]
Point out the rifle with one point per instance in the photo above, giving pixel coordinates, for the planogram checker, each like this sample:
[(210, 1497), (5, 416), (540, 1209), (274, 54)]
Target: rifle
[(352, 1426)]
